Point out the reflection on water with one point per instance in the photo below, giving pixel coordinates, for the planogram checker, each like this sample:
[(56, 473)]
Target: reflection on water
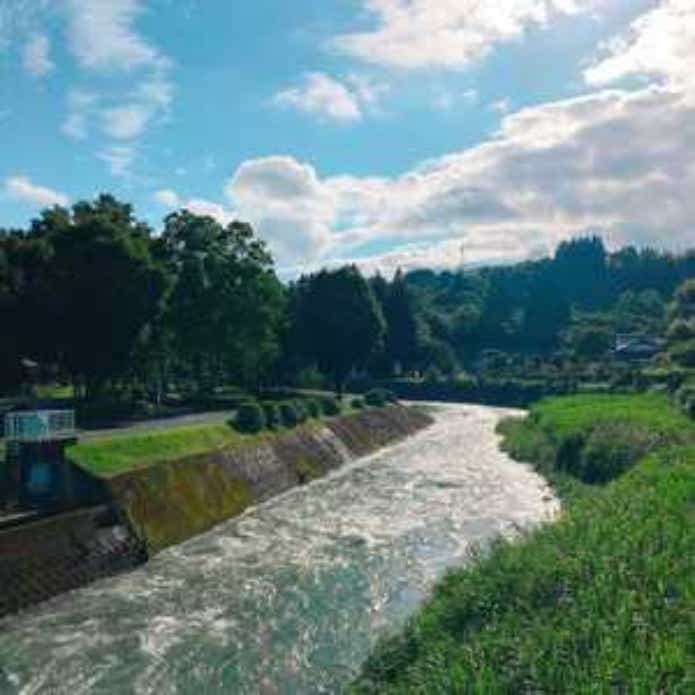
[(290, 597)]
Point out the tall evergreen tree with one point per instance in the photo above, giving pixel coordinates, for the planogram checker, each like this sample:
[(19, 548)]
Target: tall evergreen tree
[(340, 322)]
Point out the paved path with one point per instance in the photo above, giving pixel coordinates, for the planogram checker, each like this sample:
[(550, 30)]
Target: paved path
[(209, 418)]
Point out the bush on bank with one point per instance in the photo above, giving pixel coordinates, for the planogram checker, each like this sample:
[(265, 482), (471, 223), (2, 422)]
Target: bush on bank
[(250, 418), (602, 599)]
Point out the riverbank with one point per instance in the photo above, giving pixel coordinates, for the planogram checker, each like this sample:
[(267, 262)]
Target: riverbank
[(152, 491), (603, 598)]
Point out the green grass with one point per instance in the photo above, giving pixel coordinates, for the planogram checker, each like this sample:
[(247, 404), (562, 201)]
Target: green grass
[(57, 391), (574, 414), (600, 601), (113, 455)]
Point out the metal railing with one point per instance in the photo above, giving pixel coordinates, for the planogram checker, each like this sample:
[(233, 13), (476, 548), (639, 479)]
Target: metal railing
[(39, 425)]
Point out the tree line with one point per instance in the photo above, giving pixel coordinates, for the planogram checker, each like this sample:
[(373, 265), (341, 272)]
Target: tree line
[(96, 298)]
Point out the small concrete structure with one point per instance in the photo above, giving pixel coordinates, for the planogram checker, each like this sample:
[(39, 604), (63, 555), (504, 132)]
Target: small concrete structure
[(38, 475)]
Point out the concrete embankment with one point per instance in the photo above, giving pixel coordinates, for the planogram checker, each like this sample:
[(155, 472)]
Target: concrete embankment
[(148, 509)]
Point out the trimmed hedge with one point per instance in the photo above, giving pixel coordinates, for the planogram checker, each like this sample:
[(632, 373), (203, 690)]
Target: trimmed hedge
[(288, 414), (250, 418), (330, 406), (272, 415), (379, 397), (313, 407), (301, 410)]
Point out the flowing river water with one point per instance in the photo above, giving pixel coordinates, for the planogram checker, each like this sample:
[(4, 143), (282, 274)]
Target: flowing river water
[(291, 596)]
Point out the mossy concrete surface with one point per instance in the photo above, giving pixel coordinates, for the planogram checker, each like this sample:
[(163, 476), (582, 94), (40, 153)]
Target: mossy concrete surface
[(172, 501)]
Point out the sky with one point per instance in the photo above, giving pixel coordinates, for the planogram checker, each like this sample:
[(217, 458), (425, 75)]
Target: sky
[(391, 133)]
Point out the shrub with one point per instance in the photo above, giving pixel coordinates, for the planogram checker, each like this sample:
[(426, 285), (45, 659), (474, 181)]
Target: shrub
[(288, 414), (684, 353), (272, 415), (377, 397), (301, 410), (357, 403), (464, 382), (330, 406), (613, 448), (250, 418), (685, 397), (313, 407), (390, 396)]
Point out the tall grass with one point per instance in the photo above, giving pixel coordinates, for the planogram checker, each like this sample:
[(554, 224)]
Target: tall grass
[(600, 601)]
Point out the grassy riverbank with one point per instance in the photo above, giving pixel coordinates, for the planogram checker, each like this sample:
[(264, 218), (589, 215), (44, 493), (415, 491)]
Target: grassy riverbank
[(113, 455), (602, 599), (120, 453)]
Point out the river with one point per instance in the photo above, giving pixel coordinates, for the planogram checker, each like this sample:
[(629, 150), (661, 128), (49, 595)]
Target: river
[(291, 596)]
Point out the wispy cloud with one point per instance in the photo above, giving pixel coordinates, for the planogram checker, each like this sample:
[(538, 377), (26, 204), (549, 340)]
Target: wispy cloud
[(323, 96), (119, 159), (23, 189), (102, 37), (36, 59), (81, 106)]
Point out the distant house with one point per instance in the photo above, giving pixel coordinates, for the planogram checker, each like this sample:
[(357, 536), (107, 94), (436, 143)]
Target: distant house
[(636, 348)]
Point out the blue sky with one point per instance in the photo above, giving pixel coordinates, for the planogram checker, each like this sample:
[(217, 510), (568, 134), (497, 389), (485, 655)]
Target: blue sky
[(391, 132)]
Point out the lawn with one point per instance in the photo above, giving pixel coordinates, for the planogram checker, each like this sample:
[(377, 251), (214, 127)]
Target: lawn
[(109, 456), (600, 601)]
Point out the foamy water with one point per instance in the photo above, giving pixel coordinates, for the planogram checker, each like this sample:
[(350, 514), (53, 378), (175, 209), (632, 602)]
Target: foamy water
[(290, 597)]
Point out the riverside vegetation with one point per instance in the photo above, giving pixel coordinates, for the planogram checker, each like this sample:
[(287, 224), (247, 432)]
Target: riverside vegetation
[(600, 599)]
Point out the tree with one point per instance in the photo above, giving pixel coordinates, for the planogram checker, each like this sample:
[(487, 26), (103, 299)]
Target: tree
[(590, 342), (339, 320), (227, 304), (100, 286), (581, 272), (681, 333), (402, 328)]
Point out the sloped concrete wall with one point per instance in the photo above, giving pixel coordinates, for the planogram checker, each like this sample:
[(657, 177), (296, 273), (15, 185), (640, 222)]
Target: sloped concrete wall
[(170, 502)]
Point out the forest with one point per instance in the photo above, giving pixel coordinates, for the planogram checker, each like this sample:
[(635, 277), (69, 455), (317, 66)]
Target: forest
[(99, 302)]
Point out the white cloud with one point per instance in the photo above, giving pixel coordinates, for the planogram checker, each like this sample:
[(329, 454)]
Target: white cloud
[(287, 203), (149, 99), (119, 159), (20, 17), (81, 105), (126, 122), (22, 188), (659, 43), (167, 198), (502, 106), (37, 61), (413, 34), (551, 172), (201, 206), (321, 95), (102, 36), (198, 206)]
